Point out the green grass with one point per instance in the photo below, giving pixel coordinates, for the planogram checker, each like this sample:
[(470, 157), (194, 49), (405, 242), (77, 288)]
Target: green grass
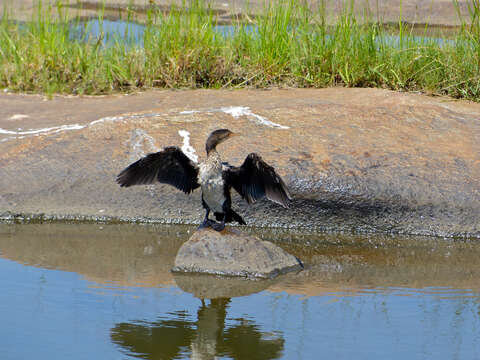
[(293, 47)]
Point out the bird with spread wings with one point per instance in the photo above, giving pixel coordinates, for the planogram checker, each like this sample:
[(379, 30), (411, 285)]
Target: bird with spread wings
[(253, 180)]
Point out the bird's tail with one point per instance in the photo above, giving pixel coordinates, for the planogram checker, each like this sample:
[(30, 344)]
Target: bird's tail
[(231, 216)]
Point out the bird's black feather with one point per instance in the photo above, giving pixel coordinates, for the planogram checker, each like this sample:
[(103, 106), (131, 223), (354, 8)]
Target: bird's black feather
[(256, 179), (169, 166), (230, 216)]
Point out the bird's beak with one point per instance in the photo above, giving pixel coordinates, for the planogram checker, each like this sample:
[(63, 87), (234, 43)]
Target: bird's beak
[(232, 134)]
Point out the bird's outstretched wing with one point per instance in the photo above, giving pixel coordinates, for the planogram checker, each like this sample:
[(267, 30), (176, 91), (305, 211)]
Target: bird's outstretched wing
[(169, 166), (256, 179)]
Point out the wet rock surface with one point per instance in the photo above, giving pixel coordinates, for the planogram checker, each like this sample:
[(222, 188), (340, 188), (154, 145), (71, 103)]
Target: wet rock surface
[(363, 160), (232, 253)]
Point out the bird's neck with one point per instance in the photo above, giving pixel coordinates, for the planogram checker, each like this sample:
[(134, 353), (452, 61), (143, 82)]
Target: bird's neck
[(211, 145), (212, 166), (213, 156)]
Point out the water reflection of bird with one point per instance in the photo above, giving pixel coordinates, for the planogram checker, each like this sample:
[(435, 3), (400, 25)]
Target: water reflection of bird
[(209, 337), (253, 180)]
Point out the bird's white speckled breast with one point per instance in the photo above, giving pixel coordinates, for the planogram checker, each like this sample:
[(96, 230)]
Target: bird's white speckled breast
[(211, 181)]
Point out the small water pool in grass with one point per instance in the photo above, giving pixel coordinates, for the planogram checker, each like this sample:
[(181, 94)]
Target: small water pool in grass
[(111, 31), (108, 31), (94, 291)]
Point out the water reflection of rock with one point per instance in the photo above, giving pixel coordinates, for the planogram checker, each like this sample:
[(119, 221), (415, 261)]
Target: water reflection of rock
[(207, 337), (133, 255), (125, 255), (212, 287)]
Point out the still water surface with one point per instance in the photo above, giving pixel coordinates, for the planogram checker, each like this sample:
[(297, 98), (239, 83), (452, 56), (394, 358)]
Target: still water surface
[(131, 33), (105, 292)]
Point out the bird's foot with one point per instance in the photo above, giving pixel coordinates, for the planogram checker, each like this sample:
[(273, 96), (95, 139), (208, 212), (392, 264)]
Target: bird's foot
[(218, 226), (206, 224), (300, 263)]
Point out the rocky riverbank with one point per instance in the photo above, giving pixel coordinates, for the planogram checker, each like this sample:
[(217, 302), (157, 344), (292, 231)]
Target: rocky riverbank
[(355, 159)]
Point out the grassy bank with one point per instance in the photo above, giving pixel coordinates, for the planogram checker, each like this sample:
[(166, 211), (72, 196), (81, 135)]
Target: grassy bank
[(291, 45)]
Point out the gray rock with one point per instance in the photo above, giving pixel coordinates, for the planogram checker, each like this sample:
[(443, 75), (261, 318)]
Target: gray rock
[(232, 253), (355, 160)]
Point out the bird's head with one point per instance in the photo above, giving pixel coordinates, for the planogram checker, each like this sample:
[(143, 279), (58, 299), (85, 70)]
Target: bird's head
[(217, 137)]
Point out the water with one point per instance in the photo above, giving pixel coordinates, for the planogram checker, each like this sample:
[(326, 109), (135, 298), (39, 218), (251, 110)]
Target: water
[(106, 292), (112, 31)]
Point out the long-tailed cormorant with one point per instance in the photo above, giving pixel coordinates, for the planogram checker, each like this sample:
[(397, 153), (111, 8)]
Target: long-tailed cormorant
[(253, 180)]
